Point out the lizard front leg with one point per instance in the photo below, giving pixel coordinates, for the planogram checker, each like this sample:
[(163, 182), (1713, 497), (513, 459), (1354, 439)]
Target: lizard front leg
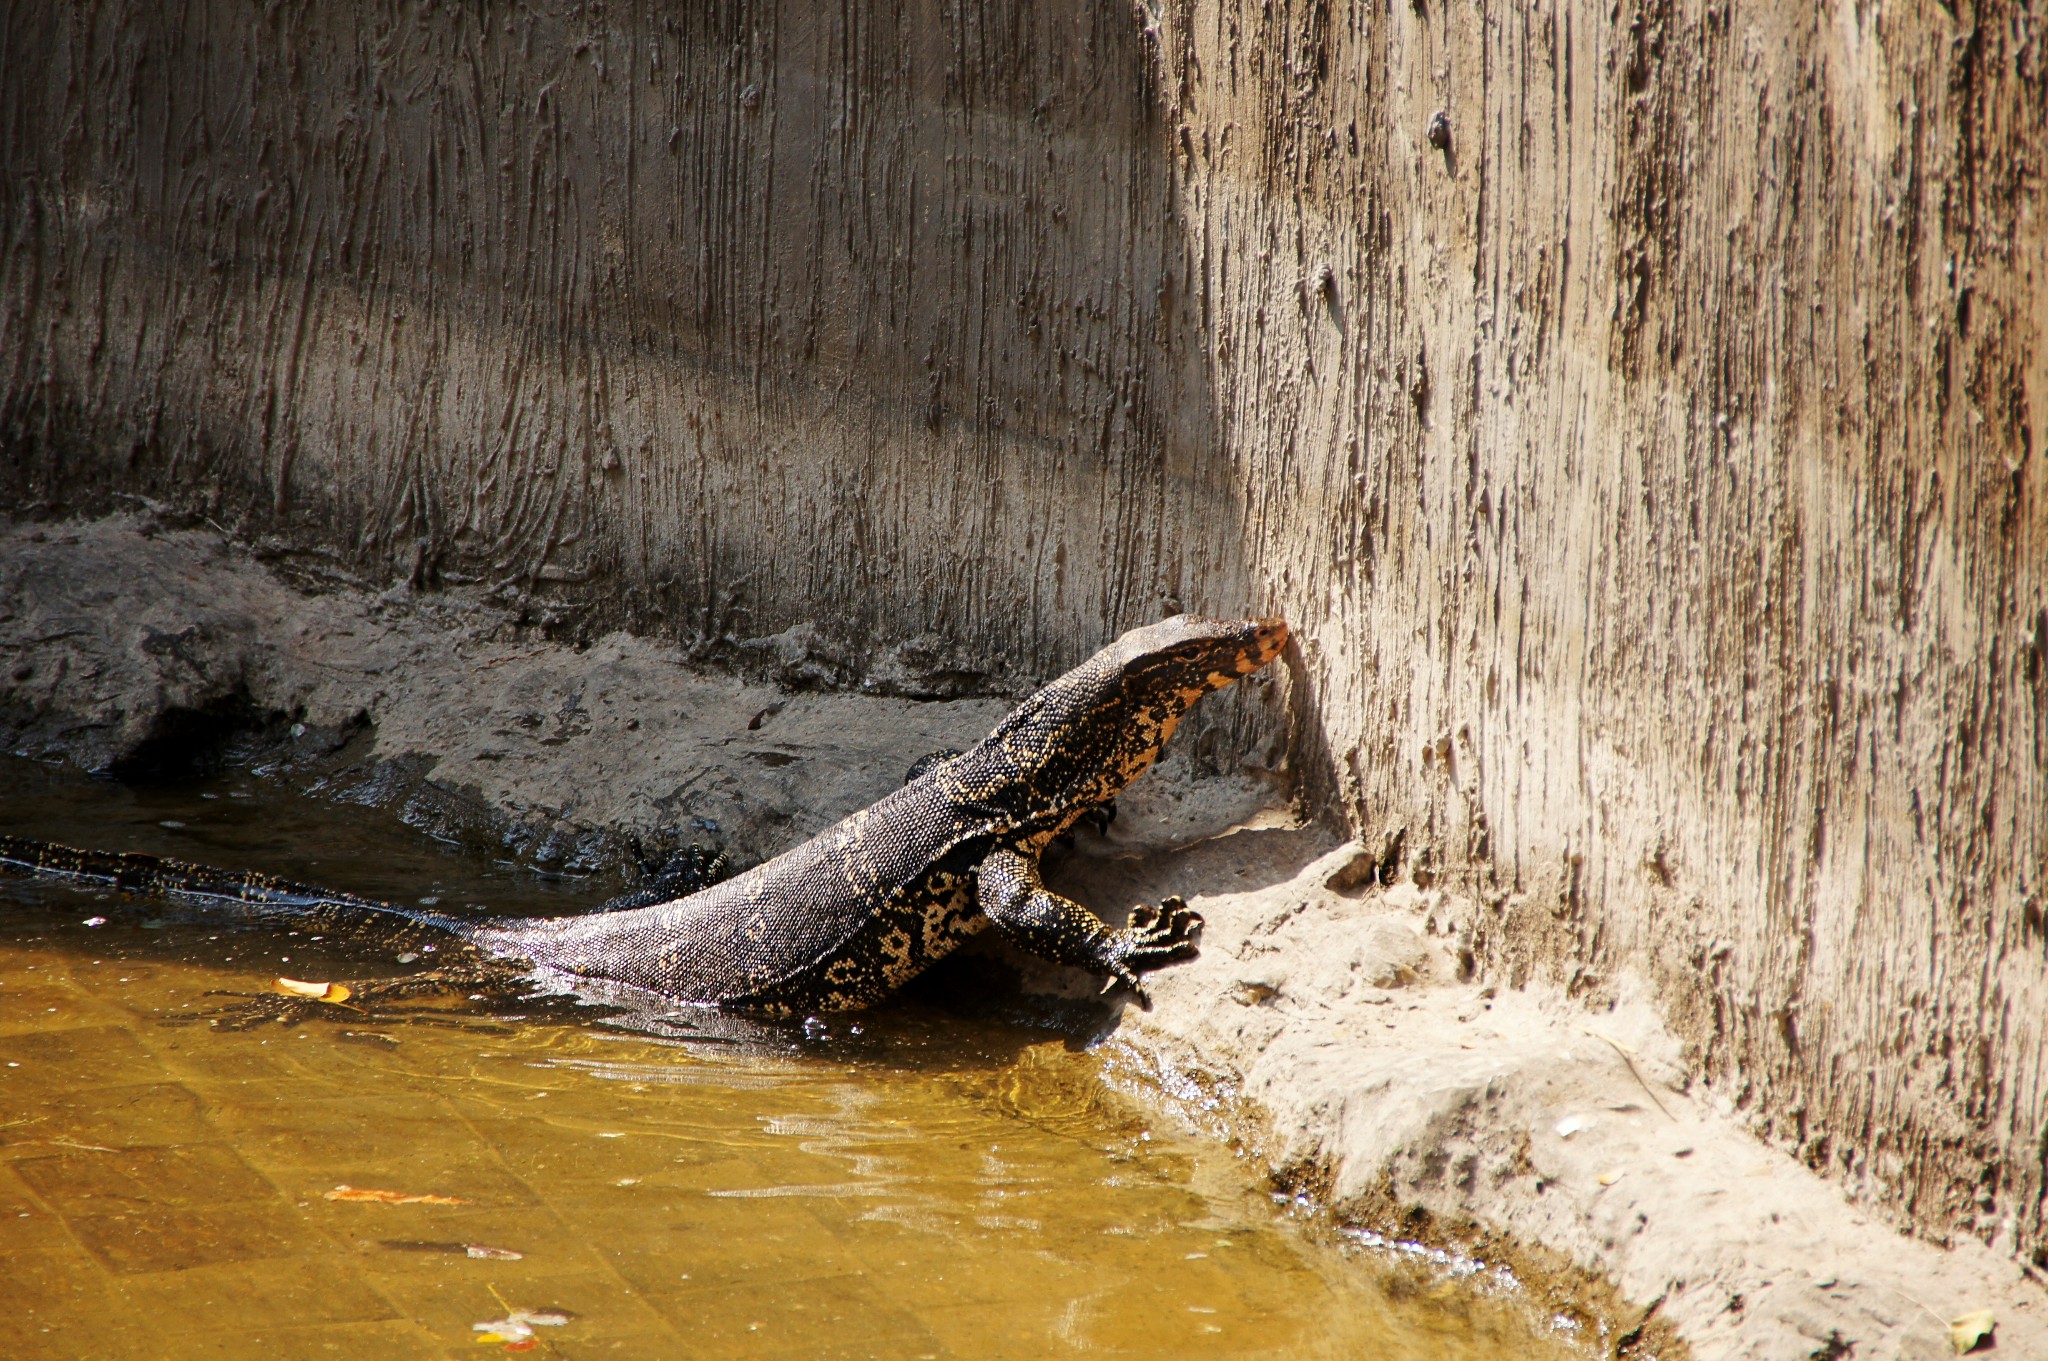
[(1061, 930)]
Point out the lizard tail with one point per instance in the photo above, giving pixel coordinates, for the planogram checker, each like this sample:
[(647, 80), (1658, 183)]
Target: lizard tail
[(209, 892)]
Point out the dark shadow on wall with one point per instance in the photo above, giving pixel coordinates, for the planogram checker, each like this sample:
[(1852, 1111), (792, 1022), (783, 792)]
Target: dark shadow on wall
[(859, 342)]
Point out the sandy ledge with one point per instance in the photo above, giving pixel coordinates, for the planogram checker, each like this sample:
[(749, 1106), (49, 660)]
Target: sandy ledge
[(1325, 1028)]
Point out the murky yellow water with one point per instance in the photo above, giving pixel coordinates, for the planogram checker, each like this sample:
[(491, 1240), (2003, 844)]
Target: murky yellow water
[(904, 1185)]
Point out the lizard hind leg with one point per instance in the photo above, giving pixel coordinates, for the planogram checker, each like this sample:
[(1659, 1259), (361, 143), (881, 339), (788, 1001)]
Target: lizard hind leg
[(1059, 929), (677, 874)]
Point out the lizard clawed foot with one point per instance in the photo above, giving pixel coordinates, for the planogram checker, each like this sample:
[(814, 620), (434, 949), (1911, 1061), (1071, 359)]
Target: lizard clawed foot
[(1097, 818), (1157, 936), (1100, 817), (1170, 927)]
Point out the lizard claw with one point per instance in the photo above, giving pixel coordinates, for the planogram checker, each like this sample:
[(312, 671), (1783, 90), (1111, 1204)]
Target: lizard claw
[(1122, 977), (1156, 937)]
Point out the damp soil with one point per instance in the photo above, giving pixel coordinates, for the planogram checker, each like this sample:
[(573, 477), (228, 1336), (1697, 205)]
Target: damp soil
[(913, 1182)]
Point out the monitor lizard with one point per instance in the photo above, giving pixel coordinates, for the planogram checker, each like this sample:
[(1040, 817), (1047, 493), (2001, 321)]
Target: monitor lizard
[(858, 910)]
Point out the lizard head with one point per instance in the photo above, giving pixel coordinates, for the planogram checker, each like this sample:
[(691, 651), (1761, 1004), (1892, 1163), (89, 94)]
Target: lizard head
[(1188, 652), (1165, 667), (1156, 673), (1079, 741)]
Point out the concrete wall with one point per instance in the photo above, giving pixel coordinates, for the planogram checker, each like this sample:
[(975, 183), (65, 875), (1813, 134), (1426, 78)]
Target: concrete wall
[(711, 319), (1650, 462)]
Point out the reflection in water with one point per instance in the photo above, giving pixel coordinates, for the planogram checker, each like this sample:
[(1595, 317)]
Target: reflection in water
[(902, 1184)]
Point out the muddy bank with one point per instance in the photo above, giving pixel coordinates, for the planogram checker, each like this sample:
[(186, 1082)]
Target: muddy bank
[(142, 651), (1333, 1025)]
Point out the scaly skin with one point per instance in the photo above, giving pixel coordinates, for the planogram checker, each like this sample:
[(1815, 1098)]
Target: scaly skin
[(869, 903)]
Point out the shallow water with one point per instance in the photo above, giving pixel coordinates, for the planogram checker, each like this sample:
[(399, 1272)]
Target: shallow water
[(903, 1184)]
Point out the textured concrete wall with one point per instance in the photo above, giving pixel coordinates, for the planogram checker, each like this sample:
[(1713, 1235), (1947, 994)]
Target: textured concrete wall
[(699, 317), (1654, 470), (1650, 460)]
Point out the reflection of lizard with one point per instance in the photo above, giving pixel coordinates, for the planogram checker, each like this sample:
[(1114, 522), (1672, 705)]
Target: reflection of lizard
[(865, 905)]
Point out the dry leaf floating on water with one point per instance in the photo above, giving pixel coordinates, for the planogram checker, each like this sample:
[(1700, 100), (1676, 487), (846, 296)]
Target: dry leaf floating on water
[(318, 992), (370, 1195)]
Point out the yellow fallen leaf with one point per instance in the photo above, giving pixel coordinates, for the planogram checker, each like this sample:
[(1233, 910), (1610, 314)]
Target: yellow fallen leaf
[(1609, 1178), (1965, 1331), (319, 992), (376, 1197)]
